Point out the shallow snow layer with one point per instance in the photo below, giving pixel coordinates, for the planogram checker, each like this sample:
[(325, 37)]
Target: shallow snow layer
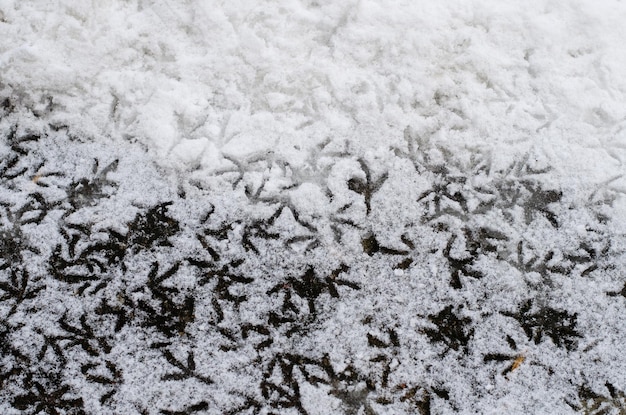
[(196, 81), (312, 207)]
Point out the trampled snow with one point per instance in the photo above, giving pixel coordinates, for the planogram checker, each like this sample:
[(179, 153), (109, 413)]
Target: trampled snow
[(359, 207)]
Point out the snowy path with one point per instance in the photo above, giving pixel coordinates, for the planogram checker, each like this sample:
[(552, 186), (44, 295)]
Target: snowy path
[(291, 207)]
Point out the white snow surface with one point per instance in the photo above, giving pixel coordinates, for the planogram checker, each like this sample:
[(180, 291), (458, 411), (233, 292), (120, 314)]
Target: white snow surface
[(195, 81), (422, 166)]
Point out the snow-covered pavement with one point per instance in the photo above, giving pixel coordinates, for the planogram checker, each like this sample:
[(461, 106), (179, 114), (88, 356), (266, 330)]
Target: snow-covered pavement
[(300, 207)]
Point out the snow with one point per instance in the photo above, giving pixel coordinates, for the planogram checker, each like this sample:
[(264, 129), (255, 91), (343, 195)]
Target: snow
[(359, 207)]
